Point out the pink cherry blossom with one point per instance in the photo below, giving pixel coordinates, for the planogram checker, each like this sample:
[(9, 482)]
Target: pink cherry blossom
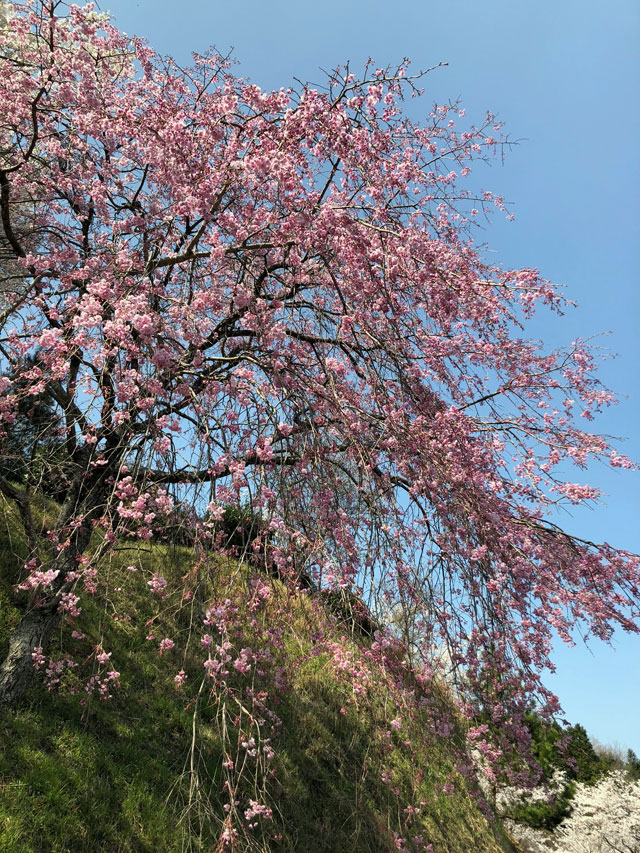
[(271, 300)]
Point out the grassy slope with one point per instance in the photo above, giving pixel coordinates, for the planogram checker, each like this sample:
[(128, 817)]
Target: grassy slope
[(113, 776)]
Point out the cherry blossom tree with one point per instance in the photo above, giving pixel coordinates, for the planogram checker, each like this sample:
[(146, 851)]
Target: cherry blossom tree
[(273, 298)]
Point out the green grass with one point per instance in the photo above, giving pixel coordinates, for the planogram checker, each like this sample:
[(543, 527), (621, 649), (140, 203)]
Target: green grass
[(116, 775), (76, 784), (331, 778)]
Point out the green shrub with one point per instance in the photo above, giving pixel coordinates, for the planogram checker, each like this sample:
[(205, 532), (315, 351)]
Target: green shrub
[(580, 758), (633, 765), (545, 814), (569, 751), (352, 613), (237, 531)]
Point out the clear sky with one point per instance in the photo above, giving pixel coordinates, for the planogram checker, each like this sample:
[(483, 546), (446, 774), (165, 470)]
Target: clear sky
[(564, 75)]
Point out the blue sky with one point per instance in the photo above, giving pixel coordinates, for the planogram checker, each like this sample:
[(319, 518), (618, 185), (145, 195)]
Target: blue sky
[(564, 76)]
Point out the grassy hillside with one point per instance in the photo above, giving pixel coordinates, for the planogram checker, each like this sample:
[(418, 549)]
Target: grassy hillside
[(151, 768)]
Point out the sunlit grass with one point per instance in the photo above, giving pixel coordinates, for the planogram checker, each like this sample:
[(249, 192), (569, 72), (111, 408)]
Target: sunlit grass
[(111, 776)]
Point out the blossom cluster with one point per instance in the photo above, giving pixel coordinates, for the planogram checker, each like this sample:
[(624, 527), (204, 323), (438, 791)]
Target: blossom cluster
[(271, 300)]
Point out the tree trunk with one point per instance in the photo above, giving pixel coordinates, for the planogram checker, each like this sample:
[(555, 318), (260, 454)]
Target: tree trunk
[(36, 627), (85, 500), (34, 630)]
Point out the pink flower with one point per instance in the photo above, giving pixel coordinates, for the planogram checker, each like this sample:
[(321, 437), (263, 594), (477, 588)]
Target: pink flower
[(157, 584), (37, 657)]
